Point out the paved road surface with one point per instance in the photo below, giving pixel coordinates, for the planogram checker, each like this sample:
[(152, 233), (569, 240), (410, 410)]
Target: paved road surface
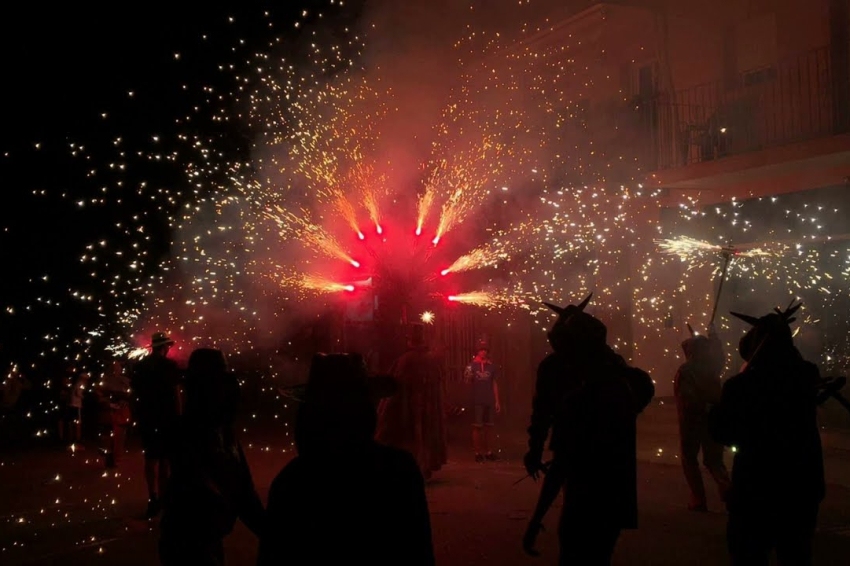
[(58, 507)]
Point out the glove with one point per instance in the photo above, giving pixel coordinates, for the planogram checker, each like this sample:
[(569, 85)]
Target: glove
[(533, 461)]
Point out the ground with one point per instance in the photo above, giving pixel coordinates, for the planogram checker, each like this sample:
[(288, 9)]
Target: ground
[(57, 506)]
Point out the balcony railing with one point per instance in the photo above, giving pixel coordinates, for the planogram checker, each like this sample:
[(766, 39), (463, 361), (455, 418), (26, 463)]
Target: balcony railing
[(796, 100)]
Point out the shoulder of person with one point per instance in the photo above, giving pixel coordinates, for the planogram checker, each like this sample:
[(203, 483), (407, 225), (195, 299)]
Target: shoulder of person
[(735, 383), (397, 459), (551, 361), (810, 369), (292, 473)]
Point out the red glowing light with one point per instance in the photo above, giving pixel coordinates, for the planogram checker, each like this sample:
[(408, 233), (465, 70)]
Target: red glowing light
[(436, 240), (419, 231), (355, 263), (380, 230), (349, 288), (452, 298), (361, 236), (445, 272)]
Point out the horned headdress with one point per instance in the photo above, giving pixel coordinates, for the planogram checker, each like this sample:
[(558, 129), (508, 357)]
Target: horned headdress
[(575, 327), (771, 331)]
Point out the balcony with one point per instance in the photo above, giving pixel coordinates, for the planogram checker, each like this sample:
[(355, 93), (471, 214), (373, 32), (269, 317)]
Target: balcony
[(797, 100)]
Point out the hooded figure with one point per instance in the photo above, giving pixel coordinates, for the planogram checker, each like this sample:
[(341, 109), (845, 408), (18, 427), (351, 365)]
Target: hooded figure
[(697, 388), (413, 419), (768, 412), (210, 484), (345, 498), (590, 398)]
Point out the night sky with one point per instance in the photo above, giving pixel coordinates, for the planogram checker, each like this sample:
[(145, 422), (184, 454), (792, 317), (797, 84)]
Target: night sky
[(64, 68)]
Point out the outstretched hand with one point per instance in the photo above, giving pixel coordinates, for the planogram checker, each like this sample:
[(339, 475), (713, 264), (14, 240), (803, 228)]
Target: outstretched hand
[(534, 465)]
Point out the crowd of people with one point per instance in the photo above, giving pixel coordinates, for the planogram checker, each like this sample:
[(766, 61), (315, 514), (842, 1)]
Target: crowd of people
[(366, 444)]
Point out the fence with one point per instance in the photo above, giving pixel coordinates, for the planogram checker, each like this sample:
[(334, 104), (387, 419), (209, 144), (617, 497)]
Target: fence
[(796, 100)]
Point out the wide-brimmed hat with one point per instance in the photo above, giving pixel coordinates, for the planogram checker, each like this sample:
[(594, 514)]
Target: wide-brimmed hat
[(337, 378), (160, 339)]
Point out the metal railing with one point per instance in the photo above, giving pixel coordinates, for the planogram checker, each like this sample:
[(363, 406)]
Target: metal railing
[(796, 100)]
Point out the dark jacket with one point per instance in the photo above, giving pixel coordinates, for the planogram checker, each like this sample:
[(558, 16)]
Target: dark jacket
[(363, 504), (769, 414), (592, 405), (155, 388), (210, 486)]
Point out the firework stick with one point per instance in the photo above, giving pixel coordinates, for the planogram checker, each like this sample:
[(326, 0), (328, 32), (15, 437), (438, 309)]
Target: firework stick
[(727, 256)]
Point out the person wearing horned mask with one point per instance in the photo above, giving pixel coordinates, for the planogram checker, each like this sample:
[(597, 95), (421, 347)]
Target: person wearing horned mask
[(768, 412), (696, 388), (590, 398)]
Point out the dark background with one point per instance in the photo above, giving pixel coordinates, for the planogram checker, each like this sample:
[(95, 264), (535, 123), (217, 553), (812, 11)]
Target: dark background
[(65, 66)]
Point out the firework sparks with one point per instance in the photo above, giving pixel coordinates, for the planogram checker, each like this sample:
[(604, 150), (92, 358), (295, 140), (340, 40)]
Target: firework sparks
[(423, 208), (485, 256), (299, 226), (686, 247), (427, 317)]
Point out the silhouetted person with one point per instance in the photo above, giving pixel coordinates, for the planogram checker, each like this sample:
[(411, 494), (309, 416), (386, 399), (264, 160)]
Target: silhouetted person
[(210, 485), (697, 388), (768, 412), (113, 393), (413, 419), (590, 398), (155, 385), (481, 373), (345, 499)]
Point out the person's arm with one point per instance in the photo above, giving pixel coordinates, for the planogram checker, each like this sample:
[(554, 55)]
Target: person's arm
[(717, 356), (279, 535), (498, 405), (724, 418), (643, 389), (251, 510), (541, 413)]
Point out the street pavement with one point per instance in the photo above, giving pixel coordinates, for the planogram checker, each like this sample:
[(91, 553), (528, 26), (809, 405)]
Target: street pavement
[(62, 507)]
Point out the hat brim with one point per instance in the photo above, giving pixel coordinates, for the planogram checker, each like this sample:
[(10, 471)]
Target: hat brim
[(162, 343), (380, 387)]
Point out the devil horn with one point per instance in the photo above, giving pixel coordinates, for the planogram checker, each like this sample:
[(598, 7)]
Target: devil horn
[(745, 317), (791, 310), (586, 300), (555, 308), (691, 330)]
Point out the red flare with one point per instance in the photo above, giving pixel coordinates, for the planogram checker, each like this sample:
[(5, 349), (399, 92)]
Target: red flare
[(355, 263), (436, 240), (445, 272), (349, 288), (361, 236), (419, 230), (380, 230), (452, 298)]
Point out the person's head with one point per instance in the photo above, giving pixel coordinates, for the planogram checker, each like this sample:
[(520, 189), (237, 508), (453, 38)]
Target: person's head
[(161, 344), (416, 337), (482, 350), (212, 392), (697, 348), (339, 405), (575, 331), (770, 335)]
